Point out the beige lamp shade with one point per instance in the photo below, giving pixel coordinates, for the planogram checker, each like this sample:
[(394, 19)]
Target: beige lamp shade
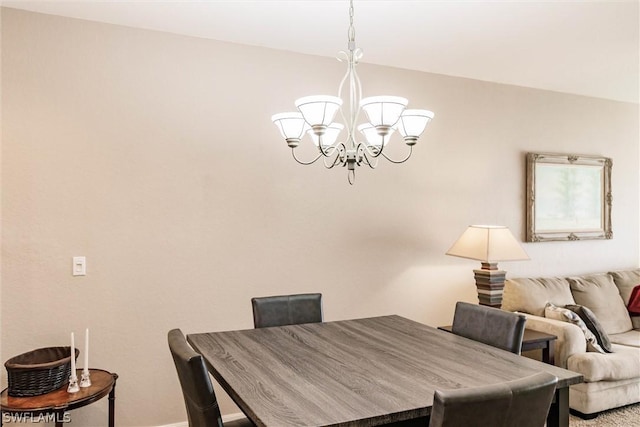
[(489, 244)]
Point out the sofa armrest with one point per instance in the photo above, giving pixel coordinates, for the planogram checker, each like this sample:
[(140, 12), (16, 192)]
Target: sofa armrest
[(570, 340)]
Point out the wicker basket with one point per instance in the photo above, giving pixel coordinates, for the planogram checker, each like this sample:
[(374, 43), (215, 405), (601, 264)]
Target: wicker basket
[(39, 371)]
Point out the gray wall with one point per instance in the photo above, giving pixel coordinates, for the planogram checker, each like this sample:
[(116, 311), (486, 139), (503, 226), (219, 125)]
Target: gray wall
[(153, 155)]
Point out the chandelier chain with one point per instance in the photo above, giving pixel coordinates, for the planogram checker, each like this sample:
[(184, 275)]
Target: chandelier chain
[(352, 29)]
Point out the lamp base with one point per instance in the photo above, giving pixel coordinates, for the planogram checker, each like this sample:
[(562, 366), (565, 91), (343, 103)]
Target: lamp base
[(490, 284)]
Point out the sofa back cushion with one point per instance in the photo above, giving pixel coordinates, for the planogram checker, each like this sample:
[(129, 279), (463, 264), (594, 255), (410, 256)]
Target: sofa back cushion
[(599, 293), (532, 295), (626, 281)]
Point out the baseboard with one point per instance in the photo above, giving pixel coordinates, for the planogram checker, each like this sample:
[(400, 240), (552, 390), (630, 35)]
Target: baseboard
[(225, 419)]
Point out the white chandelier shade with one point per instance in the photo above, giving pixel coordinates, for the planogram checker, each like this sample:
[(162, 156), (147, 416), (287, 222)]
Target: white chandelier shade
[(329, 137), (373, 137), (384, 115), (383, 110), (292, 125), (412, 123), (319, 110)]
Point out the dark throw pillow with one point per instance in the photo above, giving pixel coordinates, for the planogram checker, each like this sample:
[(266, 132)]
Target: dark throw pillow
[(593, 324)]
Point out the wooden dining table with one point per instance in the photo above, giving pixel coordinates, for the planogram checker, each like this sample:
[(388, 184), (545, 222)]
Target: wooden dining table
[(361, 372)]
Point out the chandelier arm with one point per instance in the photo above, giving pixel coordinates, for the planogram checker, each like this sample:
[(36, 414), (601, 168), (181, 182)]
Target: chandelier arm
[(355, 87), (342, 150), (350, 121), (367, 161), (399, 161), (371, 152), (357, 53), (337, 159), (346, 75), (329, 150), (302, 162)]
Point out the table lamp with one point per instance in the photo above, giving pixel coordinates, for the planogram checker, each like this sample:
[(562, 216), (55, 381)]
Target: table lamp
[(488, 244)]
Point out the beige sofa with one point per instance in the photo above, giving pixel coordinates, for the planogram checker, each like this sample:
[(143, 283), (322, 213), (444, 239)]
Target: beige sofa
[(611, 379)]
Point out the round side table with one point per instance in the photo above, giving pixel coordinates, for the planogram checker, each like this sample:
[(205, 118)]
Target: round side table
[(53, 405)]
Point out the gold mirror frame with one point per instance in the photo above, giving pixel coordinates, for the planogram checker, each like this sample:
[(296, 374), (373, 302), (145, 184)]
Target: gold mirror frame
[(568, 197)]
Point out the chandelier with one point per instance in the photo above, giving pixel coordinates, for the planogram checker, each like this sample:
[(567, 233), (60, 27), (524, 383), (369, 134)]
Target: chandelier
[(385, 114)]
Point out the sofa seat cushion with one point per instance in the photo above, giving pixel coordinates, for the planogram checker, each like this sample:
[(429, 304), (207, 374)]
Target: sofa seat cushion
[(623, 364), (591, 398), (600, 294), (630, 338), (532, 295)]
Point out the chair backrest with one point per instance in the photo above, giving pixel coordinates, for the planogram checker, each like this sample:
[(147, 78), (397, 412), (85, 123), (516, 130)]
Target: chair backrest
[(471, 407), (197, 390), (532, 398), (488, 325), (519, 403), (284, 310)]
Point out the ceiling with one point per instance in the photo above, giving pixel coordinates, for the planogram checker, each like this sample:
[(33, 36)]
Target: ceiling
[(581, 47)]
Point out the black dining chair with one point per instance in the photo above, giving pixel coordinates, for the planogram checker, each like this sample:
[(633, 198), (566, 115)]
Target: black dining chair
[(520, 403), (284, 310), (470, 407), (532, 397), (488, 325), (197, 390)]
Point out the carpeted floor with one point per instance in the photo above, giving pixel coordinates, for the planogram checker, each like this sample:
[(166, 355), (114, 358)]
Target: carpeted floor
[(627, 416)]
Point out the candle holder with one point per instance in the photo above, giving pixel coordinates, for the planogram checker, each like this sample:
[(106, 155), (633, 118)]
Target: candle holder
[(73, 384), (85, 379)]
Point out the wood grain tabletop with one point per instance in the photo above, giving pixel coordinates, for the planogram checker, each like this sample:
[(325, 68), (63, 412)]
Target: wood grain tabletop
[(361, 372)]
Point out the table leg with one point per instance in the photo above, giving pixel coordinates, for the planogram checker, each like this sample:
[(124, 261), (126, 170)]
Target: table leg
[(551, 360), (59, 417), (112, 403), (559, 411)]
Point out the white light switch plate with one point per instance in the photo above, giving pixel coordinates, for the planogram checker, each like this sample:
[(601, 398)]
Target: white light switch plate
[(79, 266)]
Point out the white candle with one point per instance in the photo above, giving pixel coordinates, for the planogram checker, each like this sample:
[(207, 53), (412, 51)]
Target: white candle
[(86, 350), (73, 356)]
